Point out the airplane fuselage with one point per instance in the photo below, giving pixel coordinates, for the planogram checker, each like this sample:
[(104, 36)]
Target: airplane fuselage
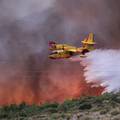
[(60, 54)]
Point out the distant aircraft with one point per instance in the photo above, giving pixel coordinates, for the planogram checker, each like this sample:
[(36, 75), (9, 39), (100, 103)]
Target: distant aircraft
[(62, 51)]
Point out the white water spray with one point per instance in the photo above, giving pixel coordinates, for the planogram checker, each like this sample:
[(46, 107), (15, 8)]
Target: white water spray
[(103, 66)]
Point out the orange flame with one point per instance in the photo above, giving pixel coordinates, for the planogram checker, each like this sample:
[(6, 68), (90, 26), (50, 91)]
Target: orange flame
[(19, 91)]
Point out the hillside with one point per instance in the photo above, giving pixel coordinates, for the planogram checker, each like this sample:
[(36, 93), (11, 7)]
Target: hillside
[(104, 107)]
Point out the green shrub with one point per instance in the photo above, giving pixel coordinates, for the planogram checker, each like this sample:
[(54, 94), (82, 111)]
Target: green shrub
[(23, 114), (54, 117), (12, 108), (3, 115), (63, 115), (49, 107), (22, 106), (115, 112), (68, 104), (103, 112), (85, 106)]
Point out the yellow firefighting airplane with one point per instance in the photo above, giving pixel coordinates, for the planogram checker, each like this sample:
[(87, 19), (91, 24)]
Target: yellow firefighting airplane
[(61, 51)]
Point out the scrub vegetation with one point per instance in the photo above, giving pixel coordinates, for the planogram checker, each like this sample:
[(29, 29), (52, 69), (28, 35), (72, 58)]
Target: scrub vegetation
[(106, 106)]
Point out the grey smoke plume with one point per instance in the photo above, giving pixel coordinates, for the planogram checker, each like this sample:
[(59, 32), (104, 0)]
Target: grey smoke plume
[(103, 66), (20, 9)]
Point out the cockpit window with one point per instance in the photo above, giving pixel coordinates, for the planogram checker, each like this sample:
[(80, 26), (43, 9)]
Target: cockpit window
[(53, 53)]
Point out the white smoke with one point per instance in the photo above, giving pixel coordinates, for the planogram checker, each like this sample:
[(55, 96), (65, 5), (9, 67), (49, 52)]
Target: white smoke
[(20, 9), (103, 66)]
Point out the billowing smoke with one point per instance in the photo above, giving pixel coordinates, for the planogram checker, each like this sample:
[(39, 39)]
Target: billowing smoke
[(103, 67)]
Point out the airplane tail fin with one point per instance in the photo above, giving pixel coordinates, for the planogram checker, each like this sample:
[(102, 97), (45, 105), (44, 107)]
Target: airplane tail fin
[(89, 42)]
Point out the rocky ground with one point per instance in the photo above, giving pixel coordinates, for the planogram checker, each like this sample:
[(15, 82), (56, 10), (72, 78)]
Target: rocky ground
[(104, 107)]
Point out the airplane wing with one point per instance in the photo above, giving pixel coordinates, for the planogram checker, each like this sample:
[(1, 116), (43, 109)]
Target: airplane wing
[(75, 50)]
